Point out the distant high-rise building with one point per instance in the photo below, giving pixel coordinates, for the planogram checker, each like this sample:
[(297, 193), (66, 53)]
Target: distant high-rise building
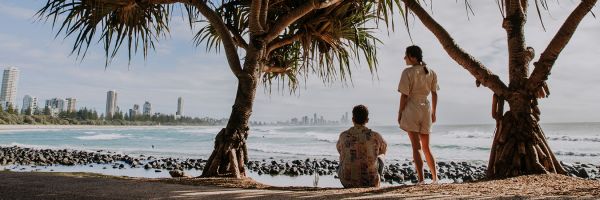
[(179, 106), (135, 111), (8, 94), (71, 105), (29, 103), (147, 109), (111, 104), (347, 120), (314, 119), (56, 105)]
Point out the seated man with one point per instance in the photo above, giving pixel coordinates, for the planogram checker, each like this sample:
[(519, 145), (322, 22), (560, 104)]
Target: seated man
[(360, 151)]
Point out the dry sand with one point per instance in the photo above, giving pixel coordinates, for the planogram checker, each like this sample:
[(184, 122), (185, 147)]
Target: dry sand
[(92, 186)]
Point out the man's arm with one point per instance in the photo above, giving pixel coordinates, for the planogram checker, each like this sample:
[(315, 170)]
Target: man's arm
[(339, 143), (382, 146)]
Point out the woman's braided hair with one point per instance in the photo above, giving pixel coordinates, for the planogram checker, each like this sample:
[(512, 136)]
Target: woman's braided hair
[(415, 51)]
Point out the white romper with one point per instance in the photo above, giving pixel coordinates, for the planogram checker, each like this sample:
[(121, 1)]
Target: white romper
[(417, 85)]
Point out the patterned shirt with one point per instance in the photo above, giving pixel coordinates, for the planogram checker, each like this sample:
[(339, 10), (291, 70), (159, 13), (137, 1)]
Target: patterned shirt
[(359, 148)]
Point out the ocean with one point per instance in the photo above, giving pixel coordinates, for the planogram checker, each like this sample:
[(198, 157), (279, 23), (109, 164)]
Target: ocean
[(571, 142)]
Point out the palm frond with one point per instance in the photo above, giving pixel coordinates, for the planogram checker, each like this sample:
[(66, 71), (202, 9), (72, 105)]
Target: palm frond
[(135, 23), (235, 16), (333, 40)]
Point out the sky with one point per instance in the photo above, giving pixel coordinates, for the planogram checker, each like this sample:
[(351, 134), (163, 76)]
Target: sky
[(178, 68)]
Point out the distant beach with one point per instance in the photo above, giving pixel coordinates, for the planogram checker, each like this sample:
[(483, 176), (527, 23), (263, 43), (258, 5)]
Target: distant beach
[(34, 127)]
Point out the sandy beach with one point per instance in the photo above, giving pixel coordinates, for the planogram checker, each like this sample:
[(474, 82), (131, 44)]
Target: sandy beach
[(93, 186)]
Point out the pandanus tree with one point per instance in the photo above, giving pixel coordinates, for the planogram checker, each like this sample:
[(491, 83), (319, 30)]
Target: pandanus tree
[(279, 40), (519, 146)]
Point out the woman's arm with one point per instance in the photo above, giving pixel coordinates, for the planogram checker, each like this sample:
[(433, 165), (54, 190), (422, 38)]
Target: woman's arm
[(434, 99), (403, 101)]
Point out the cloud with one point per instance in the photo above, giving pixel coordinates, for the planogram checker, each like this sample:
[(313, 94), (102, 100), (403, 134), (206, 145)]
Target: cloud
[(16, 12)]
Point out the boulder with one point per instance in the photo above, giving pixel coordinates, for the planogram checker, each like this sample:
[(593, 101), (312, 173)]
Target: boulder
[(176, 173), (582, 173)]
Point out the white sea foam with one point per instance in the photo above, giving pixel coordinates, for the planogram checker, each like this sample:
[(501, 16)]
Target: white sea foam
[(290, 152), (470, 134), (324, 137), (13, 131), (574, 139), (103, 136), (202, 131), (53, 147), (579, 154)]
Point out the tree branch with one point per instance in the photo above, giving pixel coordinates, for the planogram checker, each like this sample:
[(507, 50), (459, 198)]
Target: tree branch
[(280, 42), (237, 38), (264, 12), (254, 17), (480, 72), (283, 22), (544, 65), (228, 42)]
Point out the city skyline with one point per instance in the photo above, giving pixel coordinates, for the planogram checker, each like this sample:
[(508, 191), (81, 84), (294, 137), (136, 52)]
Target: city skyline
[(8, 94), (178, 68)]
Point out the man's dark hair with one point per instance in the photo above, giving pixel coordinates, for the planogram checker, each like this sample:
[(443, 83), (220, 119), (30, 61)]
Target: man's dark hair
[(360, 114)]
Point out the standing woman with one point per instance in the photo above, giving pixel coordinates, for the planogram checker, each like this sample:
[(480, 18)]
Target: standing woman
[(416, 115)]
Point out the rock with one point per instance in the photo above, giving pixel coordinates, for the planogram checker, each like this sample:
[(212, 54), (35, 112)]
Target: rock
[(274, 170), (176, 173), (294, 171), (398, 177), (583, 173), (584, 165), (467, 178), (158, 170)]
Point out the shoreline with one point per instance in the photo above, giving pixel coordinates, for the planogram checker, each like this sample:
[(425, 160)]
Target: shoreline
[(276, 172)]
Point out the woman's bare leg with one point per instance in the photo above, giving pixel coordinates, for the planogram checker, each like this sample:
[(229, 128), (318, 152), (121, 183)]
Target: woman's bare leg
[(416, 149), (428, 156)]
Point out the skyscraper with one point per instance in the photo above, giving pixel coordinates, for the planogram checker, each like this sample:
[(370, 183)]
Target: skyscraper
[(135, 111), (56, 105), (179, 107), (29, 104), (147, 109), (8, 94), (111, 103), (71, 105)]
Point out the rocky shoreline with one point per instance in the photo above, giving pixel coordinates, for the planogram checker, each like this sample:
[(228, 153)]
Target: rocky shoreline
[(395, 172)]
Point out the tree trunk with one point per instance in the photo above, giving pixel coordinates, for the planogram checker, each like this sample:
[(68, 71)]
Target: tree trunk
[(519, 146), (230, 153)]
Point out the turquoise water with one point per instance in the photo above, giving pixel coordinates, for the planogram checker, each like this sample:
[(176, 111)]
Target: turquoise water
[(572, 142)]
